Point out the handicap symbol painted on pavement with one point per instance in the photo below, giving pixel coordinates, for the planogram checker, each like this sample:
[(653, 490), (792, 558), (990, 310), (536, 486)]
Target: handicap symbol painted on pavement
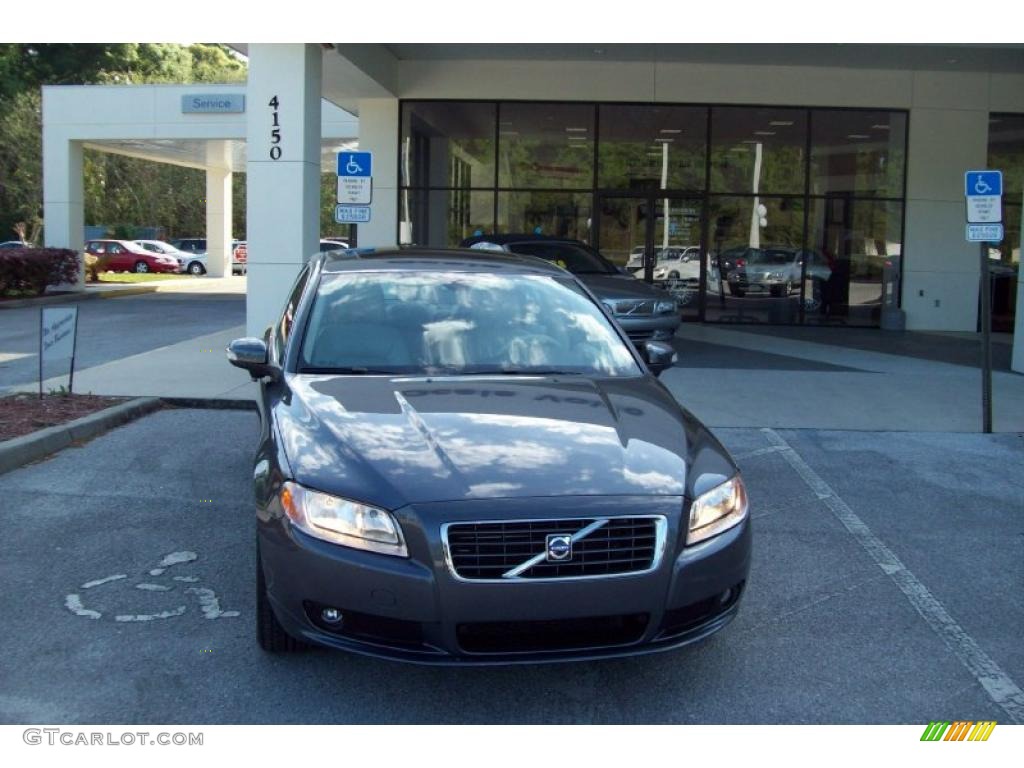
[(209, 603)]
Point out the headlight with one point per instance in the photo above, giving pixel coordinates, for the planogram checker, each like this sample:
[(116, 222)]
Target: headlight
[(717, 510), (663, 307), (341, 521)]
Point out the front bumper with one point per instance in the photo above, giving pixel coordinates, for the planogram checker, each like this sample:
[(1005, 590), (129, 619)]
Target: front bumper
[(416, 610), (650, 327)]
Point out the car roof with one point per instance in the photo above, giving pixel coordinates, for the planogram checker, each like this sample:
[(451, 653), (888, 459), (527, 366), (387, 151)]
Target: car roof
[(417, 259), (521, 237)]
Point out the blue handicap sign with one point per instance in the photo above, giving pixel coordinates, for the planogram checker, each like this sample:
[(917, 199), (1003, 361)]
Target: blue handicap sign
[(983, 183), (355, 164)]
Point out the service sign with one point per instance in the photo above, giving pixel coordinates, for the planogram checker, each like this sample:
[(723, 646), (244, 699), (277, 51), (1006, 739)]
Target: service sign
[(983, 191), (207, 103)]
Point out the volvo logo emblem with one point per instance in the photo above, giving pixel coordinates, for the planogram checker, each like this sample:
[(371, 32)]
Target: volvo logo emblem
[(559, 547)]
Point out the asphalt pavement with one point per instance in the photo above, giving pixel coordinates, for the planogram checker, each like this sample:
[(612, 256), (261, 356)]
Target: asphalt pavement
[(885, 588)]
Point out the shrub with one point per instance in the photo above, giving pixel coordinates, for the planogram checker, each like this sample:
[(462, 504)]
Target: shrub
[(31, 270)]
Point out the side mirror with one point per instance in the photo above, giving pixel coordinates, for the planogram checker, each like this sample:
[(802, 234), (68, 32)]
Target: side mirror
[(250, 354), (659, 356)]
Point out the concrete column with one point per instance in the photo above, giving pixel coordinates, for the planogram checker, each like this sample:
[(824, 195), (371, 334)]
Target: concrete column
[(283, 173), (378, 133), (948, 136), (63, 206), (218, 208), (1017, 361)]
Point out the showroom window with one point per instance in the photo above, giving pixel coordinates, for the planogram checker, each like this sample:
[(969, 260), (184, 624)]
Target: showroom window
[(796, 214), (1006, 153)]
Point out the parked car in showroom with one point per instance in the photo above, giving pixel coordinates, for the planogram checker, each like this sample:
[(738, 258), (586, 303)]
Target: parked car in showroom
[(9, 244), (644, 311), (128, 256), (463, 460), (775, 271), (239, 257)]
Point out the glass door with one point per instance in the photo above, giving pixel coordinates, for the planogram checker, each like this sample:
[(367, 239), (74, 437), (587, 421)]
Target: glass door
[(657, 239)]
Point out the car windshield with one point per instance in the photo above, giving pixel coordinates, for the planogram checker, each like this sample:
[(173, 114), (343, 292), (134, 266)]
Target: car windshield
[(458, 323), (575, 258)]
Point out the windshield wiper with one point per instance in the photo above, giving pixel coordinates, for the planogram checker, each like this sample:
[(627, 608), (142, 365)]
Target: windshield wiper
[(350, 371)]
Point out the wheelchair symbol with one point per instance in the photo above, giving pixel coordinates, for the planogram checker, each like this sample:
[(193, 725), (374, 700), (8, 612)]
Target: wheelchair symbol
[(981, 186), (352, 167)]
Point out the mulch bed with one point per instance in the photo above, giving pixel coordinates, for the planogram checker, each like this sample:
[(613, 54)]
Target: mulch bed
[(24, 413)]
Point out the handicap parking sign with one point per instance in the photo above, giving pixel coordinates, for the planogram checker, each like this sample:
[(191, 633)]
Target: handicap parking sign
[(358, 164), (983, 191), (983, 183)]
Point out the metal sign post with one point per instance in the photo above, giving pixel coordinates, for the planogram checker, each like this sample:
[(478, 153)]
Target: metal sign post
[(983, 191)]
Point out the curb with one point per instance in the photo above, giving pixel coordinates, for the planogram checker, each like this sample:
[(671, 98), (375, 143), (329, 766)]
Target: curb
[(75, 296), (210, 403), (37, 445)]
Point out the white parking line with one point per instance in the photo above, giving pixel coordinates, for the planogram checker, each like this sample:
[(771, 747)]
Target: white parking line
[(999, 686)]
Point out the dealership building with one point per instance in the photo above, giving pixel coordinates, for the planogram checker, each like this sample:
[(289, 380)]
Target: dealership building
[(837, 170)]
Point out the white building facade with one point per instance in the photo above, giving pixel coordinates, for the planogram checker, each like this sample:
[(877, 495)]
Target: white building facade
[(841, 167)]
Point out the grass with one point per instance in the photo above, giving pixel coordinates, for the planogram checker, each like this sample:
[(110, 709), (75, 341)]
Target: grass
[(136, 277)]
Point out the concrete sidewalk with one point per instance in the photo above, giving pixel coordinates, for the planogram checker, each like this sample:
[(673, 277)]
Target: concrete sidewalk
[(760, 380), (196, 368)]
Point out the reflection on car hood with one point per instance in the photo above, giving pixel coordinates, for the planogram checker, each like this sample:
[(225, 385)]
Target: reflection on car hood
[(400, 441), (621, 287)]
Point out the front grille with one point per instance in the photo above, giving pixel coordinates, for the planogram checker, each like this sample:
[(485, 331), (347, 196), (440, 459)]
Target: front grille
[(553, 635), (489, 550), (634, 307), (640, 335)]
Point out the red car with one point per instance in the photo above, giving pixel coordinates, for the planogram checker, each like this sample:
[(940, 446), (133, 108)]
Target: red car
[(126, 256)]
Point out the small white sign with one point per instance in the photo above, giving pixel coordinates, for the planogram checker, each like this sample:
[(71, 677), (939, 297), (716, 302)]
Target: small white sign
[(984, 210), (355, 190), (351, 214), (984, 233), (57, 333)]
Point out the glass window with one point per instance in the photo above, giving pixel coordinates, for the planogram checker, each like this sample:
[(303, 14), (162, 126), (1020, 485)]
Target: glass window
[(447, 144), (651, 147), (756, 150), (284, 325), (753, 271), (559, 214), (546, 146), (1006, 153), (854, 245), (459, 323), (443, 218), (858, 151)]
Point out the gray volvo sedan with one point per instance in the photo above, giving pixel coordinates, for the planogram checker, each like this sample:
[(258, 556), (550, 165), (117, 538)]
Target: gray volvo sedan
[(463, 460)]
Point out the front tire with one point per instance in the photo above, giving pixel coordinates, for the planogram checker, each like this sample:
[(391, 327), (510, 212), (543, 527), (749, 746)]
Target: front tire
[(141, 267), (271, 636), (195, 268)]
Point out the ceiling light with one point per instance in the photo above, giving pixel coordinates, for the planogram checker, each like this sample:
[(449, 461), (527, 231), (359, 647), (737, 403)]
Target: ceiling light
[(576, 130), (663, 140), (509, 133), (671, 130), (857, 136), (764, 133), (880, 127), (750, 141), (952, 61), (781, 122), (599, 51)]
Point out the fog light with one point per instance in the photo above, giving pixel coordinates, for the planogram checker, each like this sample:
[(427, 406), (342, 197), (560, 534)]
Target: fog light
[(331, 615)]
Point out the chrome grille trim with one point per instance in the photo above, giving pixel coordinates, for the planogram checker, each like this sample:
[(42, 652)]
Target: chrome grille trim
[(660, 541)]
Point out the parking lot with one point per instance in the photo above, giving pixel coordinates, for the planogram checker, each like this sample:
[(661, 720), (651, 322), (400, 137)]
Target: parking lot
[(885, 588)]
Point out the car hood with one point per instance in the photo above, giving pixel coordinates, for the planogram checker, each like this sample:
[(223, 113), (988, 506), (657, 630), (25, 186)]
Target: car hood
[(401, 441), (621, 287)]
